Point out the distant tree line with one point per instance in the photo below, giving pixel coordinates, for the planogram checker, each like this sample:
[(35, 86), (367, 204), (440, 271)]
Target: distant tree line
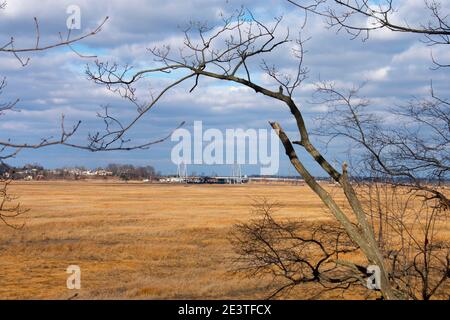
[(38, 172), (130, 172)]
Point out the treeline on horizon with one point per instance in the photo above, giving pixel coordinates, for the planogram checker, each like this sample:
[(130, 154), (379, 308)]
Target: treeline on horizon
[(39, 172), (130, 172)]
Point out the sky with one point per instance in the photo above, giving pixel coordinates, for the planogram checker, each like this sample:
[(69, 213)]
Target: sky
[(395, 67)]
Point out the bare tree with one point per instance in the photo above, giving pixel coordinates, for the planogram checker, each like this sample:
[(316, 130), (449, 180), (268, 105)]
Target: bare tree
[(295, 253), (401, 175), (225, 53), (320, 257), (411, 235), (410, 157), (407, 207)]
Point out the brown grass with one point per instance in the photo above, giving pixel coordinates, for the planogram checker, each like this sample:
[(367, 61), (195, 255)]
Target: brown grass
[(136, 241)]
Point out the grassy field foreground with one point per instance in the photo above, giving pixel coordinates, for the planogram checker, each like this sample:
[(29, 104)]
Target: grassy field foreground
[(135, 241)]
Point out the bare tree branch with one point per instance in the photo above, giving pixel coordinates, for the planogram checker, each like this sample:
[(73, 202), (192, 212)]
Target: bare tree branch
[(9, 208), (361, 17)]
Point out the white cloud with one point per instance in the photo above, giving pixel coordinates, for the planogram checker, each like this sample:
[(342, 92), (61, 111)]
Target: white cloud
[(377, 74), (14, 126)]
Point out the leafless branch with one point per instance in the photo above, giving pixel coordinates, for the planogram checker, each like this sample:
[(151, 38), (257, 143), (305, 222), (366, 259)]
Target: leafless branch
[(294, 253), (360, 17), (11, 48), (9, 208)]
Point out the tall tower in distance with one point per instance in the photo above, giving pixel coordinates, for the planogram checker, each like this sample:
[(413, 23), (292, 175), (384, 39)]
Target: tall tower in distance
[(236, 174), (182, 172)]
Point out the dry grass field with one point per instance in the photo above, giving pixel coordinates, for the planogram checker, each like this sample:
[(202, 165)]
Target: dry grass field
[(136, 241)]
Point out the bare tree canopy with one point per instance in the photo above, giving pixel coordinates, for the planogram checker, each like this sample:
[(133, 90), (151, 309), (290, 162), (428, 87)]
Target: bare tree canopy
[(320, 257), (224, 53), (295, 253)]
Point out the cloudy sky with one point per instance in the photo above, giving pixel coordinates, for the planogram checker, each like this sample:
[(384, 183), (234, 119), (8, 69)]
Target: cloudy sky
[(396, 67)]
